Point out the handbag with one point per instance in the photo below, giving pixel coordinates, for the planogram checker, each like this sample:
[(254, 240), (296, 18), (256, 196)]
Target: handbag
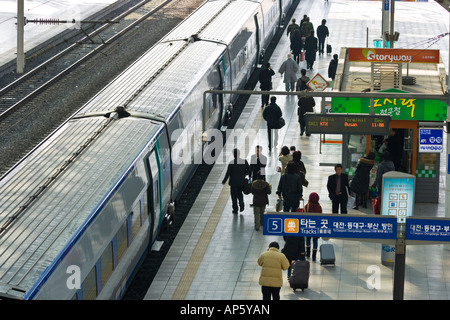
[(281, 123), (279, 205)]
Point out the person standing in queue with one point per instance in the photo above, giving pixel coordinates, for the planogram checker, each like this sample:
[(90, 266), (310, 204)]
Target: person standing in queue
[(272, 114), (265, 80), (237, 170), (271, 277), (338, 190)]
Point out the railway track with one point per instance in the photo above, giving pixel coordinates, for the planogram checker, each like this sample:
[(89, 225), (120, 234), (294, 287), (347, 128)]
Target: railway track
[(15, 95), (37, 103)]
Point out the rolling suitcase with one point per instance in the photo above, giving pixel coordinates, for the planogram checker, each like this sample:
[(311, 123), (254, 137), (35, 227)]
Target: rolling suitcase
[(299, 275), (329, 49), (327, 254)]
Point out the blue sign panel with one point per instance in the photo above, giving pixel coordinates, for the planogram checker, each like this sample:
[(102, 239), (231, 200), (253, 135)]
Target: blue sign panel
[(427, 229), (430, 140), (332, 226)]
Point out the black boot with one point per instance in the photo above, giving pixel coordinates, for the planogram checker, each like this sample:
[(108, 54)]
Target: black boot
[(308, 252), (314, 254)]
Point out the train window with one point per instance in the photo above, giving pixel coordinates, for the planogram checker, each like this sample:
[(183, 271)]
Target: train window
[(90, 286), (122, 240), (106, 264), (136, 219)]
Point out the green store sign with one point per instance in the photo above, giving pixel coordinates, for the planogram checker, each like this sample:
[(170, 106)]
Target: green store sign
[(397, 108)]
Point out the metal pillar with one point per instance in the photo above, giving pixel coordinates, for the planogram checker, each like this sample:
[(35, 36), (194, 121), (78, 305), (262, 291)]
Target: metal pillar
[(20, 38)]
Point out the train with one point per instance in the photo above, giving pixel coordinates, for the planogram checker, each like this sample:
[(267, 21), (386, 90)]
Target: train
[(80, 212)]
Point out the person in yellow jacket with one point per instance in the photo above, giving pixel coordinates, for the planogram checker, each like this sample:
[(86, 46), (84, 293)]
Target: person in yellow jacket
[(271, 278)]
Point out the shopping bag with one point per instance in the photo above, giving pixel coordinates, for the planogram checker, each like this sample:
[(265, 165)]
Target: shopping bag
[(376, 205), (350, 202)]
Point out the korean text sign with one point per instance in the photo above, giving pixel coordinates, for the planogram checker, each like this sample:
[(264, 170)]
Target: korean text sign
[(328, 225), (427, 229)]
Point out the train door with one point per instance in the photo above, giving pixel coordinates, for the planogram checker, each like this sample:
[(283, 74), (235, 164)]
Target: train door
[(259, 53), (154, 191)]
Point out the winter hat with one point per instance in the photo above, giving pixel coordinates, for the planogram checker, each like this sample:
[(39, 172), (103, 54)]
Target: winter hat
[(313, 197)]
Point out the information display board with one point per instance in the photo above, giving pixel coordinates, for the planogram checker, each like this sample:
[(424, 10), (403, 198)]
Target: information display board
[(338, 123), (398, 195), (330, 225)]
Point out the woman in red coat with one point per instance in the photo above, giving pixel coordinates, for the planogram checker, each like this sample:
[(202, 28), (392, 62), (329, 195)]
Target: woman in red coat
[(312, 206)]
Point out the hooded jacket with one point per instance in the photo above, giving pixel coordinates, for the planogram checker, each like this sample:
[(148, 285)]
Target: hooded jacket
[(260, 190)]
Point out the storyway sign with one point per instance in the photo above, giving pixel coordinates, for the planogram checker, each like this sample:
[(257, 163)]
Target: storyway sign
[(330, 225)]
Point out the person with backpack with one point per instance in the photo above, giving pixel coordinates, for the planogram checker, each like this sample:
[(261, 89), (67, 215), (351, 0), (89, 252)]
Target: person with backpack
[(302, 82)]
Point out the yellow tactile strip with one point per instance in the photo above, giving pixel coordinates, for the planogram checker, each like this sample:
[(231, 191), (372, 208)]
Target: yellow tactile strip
[(202, 244)]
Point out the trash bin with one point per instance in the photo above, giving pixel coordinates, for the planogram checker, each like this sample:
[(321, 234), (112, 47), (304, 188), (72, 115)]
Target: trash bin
[(387, 255)]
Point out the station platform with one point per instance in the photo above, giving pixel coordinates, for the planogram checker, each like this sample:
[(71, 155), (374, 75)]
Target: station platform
[(214, 256), (37, 34)]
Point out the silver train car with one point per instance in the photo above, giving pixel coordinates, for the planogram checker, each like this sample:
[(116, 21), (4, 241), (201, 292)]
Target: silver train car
[(80, 212)]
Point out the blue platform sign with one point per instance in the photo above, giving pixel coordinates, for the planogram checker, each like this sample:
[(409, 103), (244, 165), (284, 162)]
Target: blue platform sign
[(430, 140), (427, 229), (331, 226)]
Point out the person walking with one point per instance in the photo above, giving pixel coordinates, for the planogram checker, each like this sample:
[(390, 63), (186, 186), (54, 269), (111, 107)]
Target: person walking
[(237, 170), (294, 249), (272, 114), (260, 190), (322, 33), (306, 27), (310, 50), (385, 165), (292, 27), (305, 104), (284, 157), (300, 168), (258, 163), (265, 80), (271, 277), (302, 82), (338, 190), (290, 188), (313, 206), (360, 182), (289, 69), (296, 45), (332, 67)]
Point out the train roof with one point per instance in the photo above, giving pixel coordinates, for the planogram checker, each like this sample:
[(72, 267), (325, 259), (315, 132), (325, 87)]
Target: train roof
[(41, 232), (176, 64), (229, 17)]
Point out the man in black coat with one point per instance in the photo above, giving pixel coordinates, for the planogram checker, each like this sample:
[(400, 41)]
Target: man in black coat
[(265, 79), (236, 172), (322, 33), (310, 50), (305, 104), (272, 115), (338, 189)]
